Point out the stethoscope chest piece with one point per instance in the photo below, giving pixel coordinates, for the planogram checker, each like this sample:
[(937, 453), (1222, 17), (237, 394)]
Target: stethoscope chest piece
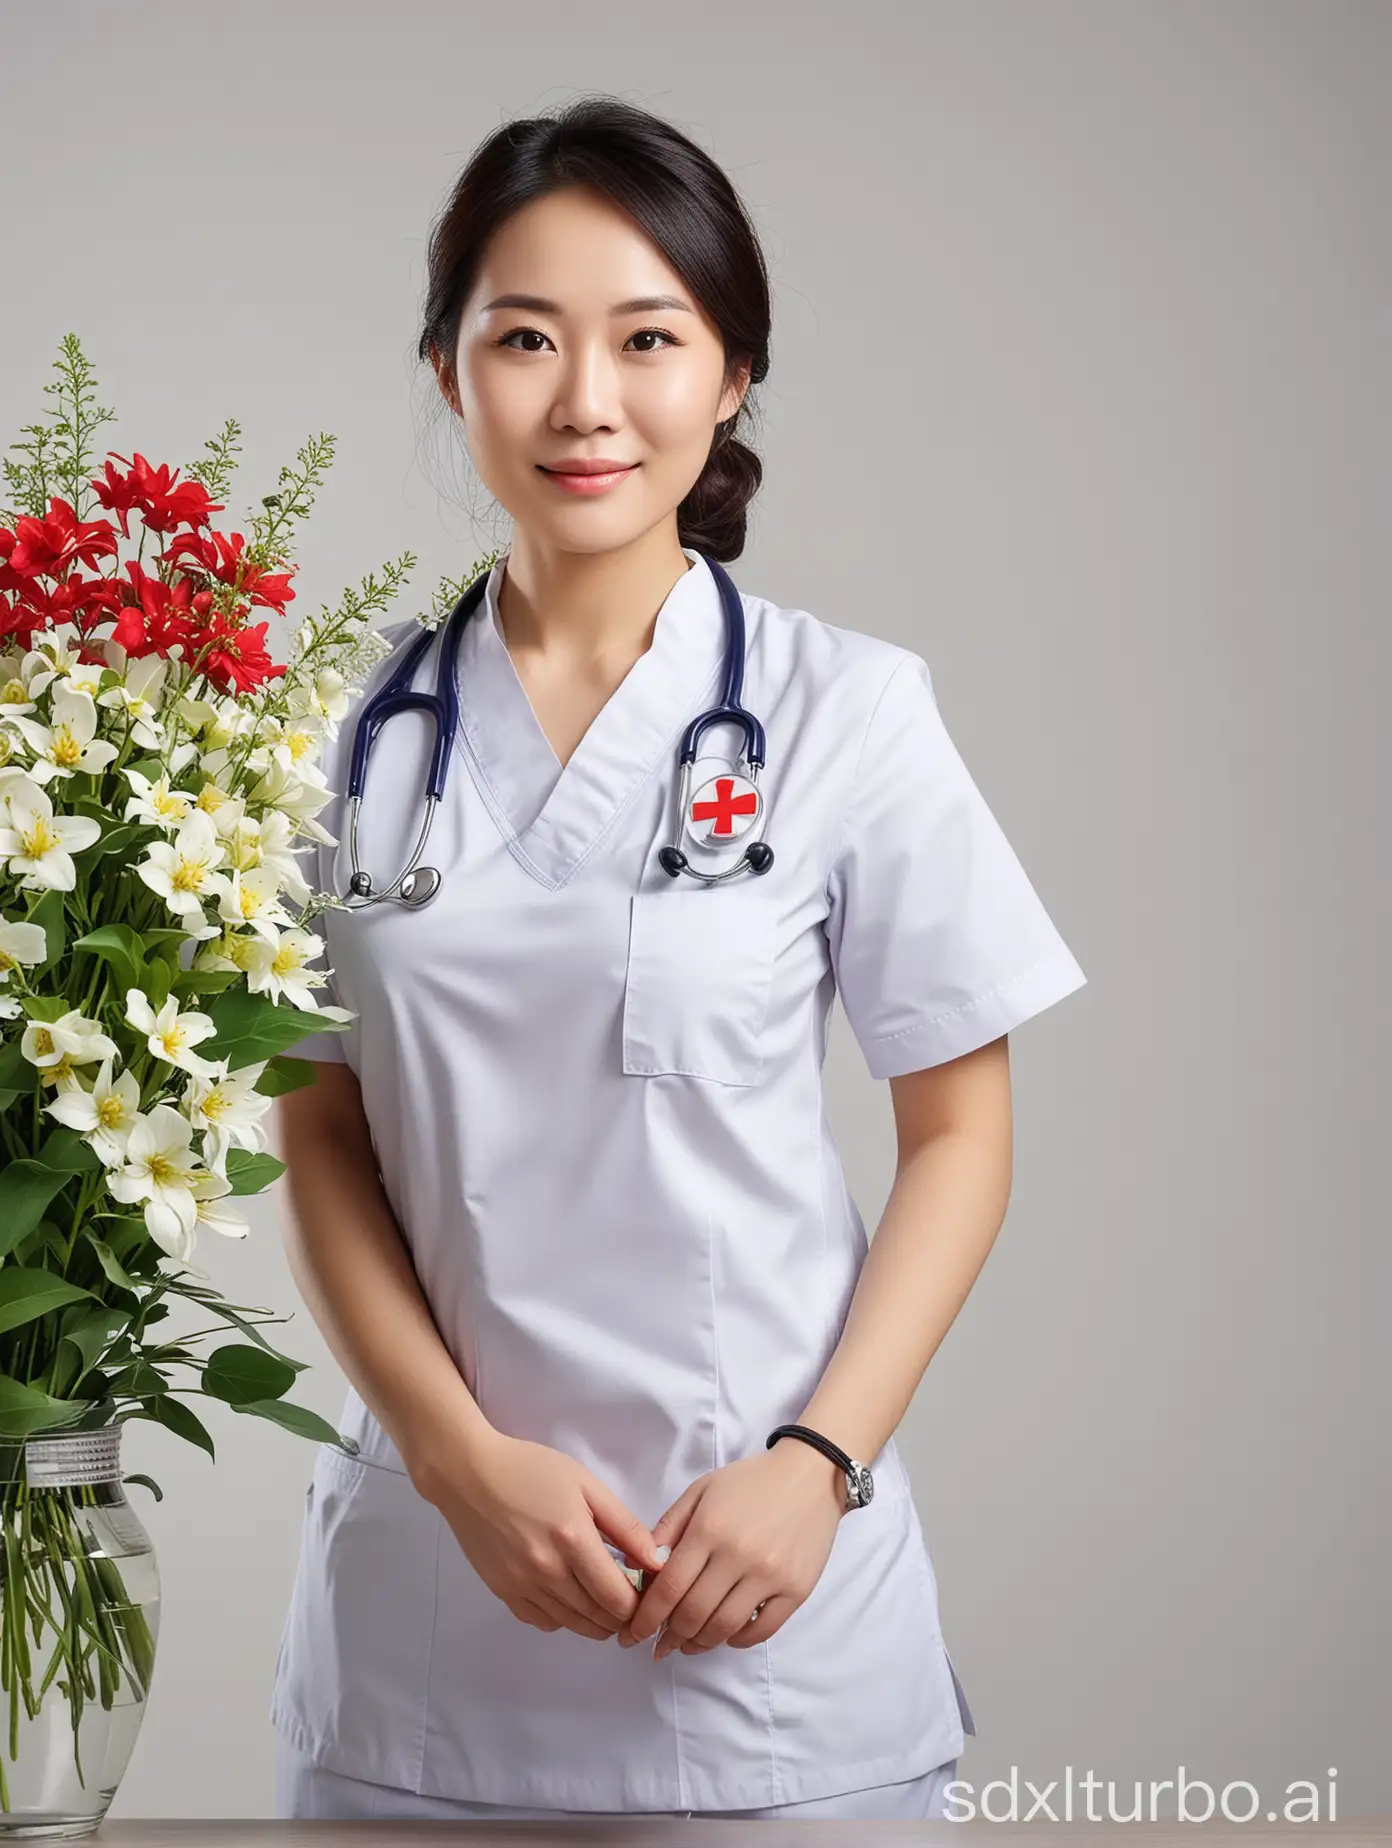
[(723, 809)]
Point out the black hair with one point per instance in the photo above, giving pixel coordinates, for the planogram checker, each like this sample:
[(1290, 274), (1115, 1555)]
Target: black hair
[(679, 198)]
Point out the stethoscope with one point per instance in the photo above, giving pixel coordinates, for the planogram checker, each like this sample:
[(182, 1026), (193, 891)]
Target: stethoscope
[(723, 811)]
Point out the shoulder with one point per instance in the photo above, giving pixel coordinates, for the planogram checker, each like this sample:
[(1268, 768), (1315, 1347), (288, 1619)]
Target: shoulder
[(794, 652)]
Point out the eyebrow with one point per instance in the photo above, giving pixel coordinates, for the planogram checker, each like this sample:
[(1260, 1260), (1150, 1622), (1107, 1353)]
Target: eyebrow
[(640, 304)]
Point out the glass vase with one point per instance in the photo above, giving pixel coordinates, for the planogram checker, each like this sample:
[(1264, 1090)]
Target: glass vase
[(79, 1618)]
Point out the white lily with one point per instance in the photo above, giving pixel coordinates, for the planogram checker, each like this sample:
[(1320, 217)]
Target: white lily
[(155, 800), (209, 1190), (181, 870), (20, 943), (299, 794), (253, 898), (279, 970), (58, 1047), (171, 1035), (228, 1108), (160, 1169), (71, 744), (51, 660), (137, 693), (37, 844), (105, 1115)]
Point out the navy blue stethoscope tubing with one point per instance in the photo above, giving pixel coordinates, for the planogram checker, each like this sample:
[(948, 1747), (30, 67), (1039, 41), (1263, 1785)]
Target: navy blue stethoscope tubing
[(443, 704)]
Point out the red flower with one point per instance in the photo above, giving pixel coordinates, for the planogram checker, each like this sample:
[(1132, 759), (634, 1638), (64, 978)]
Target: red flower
[(225, 559), (153, 492), (51, 545), (237, 662), (163, 615)]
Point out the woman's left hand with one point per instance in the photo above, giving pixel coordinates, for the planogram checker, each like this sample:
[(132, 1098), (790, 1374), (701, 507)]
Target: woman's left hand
[(757, 1531)]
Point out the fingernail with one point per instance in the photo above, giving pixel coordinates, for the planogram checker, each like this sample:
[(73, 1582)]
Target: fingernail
[(664, 1553)]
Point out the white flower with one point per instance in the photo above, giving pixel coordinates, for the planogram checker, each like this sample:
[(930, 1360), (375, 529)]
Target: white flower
[(137, 693), (20, 943), (208, 1190), (300, 793), (228, 1108), (38, 844), (51, 660), (105, 1115), (279, 969), (254, 898), (56, 1046), (155, 802), (15, 695), (161, 1169), (181, 872), (171, 1035), (72, 744)]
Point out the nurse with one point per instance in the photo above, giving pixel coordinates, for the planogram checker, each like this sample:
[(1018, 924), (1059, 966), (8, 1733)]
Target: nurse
[(564, 1198)]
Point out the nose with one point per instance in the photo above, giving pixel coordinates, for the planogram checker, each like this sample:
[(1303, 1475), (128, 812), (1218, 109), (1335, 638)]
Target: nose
[(587, 392)]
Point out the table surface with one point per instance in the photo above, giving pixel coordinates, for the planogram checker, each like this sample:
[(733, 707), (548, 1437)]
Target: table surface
[(163, 1832)]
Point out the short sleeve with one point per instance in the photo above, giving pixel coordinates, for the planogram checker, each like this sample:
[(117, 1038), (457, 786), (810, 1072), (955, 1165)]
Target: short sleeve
[(939, 943)]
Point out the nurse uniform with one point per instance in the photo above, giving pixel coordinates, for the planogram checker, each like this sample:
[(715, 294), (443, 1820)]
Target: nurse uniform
[(595, 1102)]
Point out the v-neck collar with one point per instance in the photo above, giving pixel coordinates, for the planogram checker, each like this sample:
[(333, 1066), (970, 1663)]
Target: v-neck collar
[(554, 815)]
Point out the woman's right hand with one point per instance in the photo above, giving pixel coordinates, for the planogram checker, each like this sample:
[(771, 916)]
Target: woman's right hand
[(532, 1522)]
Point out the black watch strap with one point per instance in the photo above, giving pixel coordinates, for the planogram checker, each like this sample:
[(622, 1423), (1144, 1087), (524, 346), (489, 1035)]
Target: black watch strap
[(818, 1442)]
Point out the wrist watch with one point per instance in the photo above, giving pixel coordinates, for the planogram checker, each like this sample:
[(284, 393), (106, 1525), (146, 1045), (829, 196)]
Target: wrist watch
[(860, 1484)]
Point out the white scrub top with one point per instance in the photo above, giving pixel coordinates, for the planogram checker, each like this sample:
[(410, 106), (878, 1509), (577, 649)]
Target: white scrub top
[(595, 1102)]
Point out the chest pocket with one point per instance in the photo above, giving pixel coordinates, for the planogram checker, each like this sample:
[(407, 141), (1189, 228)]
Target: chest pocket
[(700, 966)]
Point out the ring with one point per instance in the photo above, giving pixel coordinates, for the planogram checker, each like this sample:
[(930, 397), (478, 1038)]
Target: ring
[(753, 1615)]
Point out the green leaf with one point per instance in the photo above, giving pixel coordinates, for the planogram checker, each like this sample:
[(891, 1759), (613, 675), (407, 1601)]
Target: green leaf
[(27, 1185), (50, 914), (139, 1380), (24, 1410), (284, 1074), (149, 1483), (109, 1262), (120, 946), (241, 1374), (252, 1172), (252, 1027), (18, 1076), (233, 1312), (175, 1416), (300, 1420), (191, 983), (25, 1295)]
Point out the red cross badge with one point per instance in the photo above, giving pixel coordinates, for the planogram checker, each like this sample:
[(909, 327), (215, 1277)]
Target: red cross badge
[(723, 809)]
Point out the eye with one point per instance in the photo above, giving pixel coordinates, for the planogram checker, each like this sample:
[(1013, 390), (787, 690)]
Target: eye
[(643, 333)]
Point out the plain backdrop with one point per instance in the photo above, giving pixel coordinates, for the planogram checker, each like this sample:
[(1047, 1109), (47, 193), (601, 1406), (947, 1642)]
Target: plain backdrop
[(1080, 388)]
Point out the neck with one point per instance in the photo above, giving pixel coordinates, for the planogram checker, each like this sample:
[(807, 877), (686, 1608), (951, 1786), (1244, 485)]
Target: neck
[(584, 607)]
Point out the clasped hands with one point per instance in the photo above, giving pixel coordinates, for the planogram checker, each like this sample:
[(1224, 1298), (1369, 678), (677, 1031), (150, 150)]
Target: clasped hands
[(751, 1537), (532, 1521)]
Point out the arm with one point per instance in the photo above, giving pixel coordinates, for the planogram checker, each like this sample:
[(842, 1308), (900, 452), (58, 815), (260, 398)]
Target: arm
[(783, 1506), (351, 1266), (530, 1519), (951, 1189)]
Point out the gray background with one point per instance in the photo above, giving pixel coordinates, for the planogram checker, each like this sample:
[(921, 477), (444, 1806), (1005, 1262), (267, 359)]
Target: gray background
[(1080, 389)]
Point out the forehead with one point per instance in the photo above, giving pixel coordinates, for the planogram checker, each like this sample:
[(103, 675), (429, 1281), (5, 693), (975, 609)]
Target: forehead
[(576, 248)]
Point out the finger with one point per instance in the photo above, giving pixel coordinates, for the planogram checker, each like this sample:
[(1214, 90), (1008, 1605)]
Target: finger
[(668, 1588), (672, 1525), (776, 1612), (702, 1599), (618, 1523), (528, 1612), (731, 1614), (599, 1578), (569, 1616)]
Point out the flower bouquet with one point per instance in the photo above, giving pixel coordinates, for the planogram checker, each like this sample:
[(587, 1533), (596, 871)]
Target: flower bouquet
[(157, 769)]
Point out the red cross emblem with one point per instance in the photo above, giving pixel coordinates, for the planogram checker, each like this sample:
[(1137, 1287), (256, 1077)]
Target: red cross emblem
[(723, 809)]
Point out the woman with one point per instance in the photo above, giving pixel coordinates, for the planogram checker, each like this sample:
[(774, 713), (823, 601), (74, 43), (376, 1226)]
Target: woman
[(566, 1203)]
